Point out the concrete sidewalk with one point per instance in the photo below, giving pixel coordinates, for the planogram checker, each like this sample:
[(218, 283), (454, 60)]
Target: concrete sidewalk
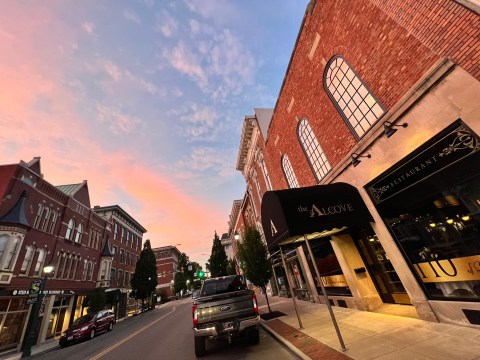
[(366, 335)]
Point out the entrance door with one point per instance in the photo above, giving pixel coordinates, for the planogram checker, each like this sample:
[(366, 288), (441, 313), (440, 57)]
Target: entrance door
[(381, 270)]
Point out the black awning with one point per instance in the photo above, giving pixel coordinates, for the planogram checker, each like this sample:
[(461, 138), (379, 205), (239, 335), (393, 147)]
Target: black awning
[(299, 211)]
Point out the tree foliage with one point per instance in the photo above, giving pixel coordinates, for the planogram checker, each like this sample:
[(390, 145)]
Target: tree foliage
[(218, 260), (254, 262), (96, 300), (144, 280), (232, 267)]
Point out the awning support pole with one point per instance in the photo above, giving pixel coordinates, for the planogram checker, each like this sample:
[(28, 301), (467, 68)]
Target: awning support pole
[(291, 289), (332, 315)]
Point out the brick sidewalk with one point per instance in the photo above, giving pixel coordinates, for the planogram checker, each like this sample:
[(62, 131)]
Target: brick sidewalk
[(306, 344)]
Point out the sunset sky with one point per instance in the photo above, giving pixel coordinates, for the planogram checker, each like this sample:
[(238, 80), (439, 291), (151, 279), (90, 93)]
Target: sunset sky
[(143, 99)]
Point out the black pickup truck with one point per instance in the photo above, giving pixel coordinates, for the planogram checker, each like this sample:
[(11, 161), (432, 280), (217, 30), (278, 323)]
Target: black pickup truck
[(224, 308)]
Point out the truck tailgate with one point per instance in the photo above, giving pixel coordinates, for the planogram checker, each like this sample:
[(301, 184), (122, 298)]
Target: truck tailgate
[(225, 307)]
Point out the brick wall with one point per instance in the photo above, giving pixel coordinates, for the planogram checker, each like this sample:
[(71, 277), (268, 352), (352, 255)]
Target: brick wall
[(389, 43)]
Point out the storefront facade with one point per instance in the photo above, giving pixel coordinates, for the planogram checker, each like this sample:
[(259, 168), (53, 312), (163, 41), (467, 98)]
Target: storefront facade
[(399, 121)]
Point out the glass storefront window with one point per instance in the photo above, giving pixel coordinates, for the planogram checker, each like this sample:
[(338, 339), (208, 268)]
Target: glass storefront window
[(13, 314), (440, 236), (328, 266)]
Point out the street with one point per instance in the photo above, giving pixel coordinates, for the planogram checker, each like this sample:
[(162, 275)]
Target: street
[(164, 333)]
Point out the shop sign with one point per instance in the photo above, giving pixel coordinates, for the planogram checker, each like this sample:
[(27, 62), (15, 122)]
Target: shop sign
[(333, 281), (455, 269), (454, 145), (45, 292), (34, 291)]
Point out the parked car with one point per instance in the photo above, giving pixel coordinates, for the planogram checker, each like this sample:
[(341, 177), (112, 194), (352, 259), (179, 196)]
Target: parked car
[(87, 326)]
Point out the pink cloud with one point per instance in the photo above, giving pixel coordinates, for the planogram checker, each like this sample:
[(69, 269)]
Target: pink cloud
[(38, 115)]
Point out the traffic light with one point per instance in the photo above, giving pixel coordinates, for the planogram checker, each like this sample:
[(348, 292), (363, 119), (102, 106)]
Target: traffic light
[(200, 274)]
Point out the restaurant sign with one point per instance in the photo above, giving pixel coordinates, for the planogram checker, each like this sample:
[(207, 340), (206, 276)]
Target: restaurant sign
[(456, 143)]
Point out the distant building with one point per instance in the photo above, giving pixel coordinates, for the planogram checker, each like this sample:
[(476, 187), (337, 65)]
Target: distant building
[(167, 266), (227, 245), (126, 240)]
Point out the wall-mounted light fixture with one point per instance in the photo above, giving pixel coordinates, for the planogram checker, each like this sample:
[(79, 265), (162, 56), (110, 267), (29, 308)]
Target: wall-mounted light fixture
[(356, 156), (388, 128)]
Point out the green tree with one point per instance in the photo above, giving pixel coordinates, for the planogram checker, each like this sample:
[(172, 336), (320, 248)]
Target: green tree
[(254, 261), (231, 267), (144, 280), (218, 261), (96, 300)]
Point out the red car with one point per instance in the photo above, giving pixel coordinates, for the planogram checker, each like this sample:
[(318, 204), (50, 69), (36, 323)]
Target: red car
[(87, 326)]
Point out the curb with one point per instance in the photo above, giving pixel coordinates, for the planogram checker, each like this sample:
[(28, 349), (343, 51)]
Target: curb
[(286, 343)]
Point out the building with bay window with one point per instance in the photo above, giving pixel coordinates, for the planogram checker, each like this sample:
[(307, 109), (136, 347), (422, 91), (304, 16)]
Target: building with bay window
[(42, 224)]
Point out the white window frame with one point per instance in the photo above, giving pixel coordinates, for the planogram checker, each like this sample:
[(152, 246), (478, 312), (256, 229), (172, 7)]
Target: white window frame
[(11, 253), (288, 172), (313, 151), (53, 221), (46, 217), (27, 260), (78, 235), (38, 217), (41, 257), (352, 98), (70, 229)]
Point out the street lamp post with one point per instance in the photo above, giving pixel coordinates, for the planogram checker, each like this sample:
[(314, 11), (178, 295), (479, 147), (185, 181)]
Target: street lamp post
[(31, 333)]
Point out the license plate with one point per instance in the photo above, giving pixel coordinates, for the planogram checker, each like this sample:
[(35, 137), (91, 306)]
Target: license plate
[(228, 326), (70, 338)]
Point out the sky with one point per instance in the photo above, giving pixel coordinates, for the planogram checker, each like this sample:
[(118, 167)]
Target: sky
[(145, 100)]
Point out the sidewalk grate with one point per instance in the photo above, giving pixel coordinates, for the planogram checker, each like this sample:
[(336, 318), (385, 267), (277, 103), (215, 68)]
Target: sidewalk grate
[(306, 344)]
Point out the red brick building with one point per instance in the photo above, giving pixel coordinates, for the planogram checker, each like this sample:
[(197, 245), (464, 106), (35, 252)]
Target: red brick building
[(56, 227), (126, 241), (167, 265), (381, 96)]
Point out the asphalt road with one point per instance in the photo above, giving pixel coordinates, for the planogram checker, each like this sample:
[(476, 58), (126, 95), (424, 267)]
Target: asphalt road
[(164, 333)]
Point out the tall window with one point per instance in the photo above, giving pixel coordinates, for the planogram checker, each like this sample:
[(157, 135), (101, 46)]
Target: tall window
[(53, 221), (70, 227), (38, 217), (78, 236), (3, 245), (313, 151), (351, 96), (46, 217), (263, 166), (27, 261), (11, 254), (75, 266), (289, 173), (115, 232), (40, 261)]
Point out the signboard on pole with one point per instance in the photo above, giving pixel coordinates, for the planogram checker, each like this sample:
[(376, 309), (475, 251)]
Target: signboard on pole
[(34, 291)]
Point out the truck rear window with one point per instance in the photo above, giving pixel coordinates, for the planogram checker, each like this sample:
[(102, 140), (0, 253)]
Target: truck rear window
[(221, 286)]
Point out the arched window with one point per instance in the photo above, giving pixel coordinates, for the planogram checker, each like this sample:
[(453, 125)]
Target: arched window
[(38, 217), (11, 254), (351, 96), (53, 221), (288, 172), (27, 260), (78, 235), (85, 265), (313, 151), (46, 217), (40, 261), (70, 227)]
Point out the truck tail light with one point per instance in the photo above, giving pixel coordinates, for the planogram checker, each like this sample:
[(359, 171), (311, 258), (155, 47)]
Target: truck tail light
[(255, 305), (195, 315)]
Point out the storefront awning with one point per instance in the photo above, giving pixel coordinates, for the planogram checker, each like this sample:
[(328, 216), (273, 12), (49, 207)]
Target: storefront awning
[(293, 212)]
